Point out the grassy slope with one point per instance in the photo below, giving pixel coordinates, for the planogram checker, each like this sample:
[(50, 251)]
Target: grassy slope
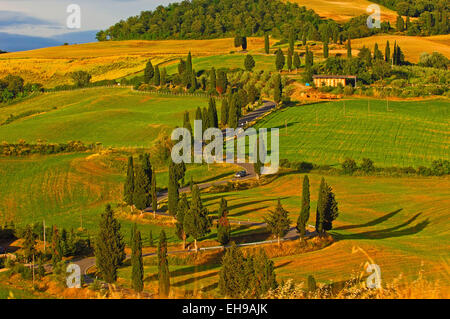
[(114, 117), (344, 10), (409, 134)]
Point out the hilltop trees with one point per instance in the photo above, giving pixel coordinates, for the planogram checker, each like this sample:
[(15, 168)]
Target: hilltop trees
[(109, 246), (278, 222), (303, 218), (163, 266), (137, 271), (223, 224), (327, 209), (249, 62), (196, 221)]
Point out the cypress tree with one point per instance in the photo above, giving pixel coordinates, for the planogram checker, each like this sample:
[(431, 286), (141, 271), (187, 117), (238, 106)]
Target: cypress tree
[(196, 220), (205, 119), (321, 207), (133, 233), (377, 55), (212, 80), (154, 194), (266, 44), (222, 82), (137, 265), (141, 195), (291, 40), (237, 41), (163, 266), (244, 43), (157, 76), (278, 90), (387, 53), (29, 243), (198, 114), (332, 211), (223, 224), (173, 186), (129, 183), (233, 113), (56, 246), (187, 122), (183, 207), (303, 218), (150, 239), (297, 62), (325, 50), (249, 63), (349, 47), (289, 61), (212, 113), (278, 222), (224, 112), (149, 72), (400, 24), (109, 246), (263, 278), (163, 77), (231, 279), (279, 60)]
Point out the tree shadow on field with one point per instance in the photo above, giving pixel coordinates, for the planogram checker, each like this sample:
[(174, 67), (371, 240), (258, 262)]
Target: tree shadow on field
[(391, 232), (194, 279), (282, 126), (371, 223)]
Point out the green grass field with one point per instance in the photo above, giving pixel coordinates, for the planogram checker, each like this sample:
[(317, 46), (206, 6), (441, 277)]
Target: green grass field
[(408, 134), (115, 117)]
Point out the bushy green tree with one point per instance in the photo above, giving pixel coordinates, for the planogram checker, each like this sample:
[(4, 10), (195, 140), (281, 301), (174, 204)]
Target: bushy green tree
[(279, 60), (149, 72), (81, 78), (327, 209), (349, 166), (278, 222), (249, 63), (142, 183), (196, 220), (109, 246)]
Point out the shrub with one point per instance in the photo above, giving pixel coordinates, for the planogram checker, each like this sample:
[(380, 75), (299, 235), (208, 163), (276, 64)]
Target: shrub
[(349, 166), (367, 166)]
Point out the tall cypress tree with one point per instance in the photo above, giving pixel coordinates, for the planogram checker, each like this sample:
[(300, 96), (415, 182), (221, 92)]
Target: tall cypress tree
[(291, 40), (157, 76), (149, 72), (212, 80), (163, 266), (142, 185), (223, 224), (233, 113), (278, 222), (349, 47), (231, 279), (183, 207), (212, 113), (289, 61), (244, 43), (303, 218), (224, 112), (387, 53), (128, 188), (137, 265), (279, 60), (297, 62), (266, 44), (321, 207), (163, 80), (222, 82), (278, 90), (173, 186), (154, 194), (327, 209), (29, 243), (196, 220), (325, 50), (109, 246)]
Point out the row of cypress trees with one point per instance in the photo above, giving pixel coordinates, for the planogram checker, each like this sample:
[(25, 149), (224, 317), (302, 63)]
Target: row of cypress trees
[(140, 184), (153, 75)]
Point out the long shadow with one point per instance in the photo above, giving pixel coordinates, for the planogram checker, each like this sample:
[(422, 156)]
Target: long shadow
[(283, 264), (232, 207), (389, 232), (194, 279), (371, 223), (212, 179), (249, 211), (210, 287), (284, 126), (184, 271)]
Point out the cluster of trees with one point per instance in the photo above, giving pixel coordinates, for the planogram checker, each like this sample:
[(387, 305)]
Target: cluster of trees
[(434, 60), (23, 148), (429, 23), (246, 276), (153, 75), (240, 41), (140, 184), (414, 8), (192, 218), (208, 116), (81, 79), (214, 19), (13, 86)]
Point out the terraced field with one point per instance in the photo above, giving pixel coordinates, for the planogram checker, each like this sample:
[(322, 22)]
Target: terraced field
[(403, 133)]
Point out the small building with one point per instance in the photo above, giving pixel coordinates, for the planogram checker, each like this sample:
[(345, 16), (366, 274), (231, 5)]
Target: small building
[(334, 80)]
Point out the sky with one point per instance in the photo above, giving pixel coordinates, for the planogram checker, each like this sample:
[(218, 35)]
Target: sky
[(47, 18)]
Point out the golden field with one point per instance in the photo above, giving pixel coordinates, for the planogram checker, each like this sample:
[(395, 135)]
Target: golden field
[(412, 47), (343, 10), (106, 60)]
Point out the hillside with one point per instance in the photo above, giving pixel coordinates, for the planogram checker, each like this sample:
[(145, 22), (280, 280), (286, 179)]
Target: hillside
[(106, 60), (344, 10)]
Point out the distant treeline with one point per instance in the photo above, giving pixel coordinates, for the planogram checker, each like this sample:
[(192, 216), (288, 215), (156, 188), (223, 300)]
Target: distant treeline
[(22, 148), (414, 8), (367, 167)]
